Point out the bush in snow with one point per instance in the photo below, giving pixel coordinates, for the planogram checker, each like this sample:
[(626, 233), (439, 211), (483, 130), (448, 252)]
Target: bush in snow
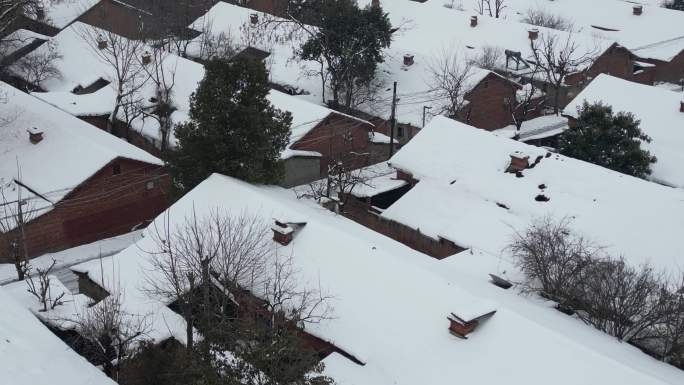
[(609, 140)]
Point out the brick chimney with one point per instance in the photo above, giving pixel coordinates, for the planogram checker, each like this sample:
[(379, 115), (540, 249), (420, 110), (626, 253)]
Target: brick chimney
[(637, 10), (533, 33), (254, 18), (519, 162), (282, 233), (35, 135), (473, 21), (101, 43), (408, 60), (461, 328), (681, 106), (146, 58)]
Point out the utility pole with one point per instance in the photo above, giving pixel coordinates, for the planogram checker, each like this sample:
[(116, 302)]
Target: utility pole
[(425, 108), (393, 120)]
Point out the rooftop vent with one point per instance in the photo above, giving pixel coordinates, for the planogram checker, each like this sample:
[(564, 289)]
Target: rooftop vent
[(637, 10), (408, 60), (461, 327), (35, 135), (533, 33), (254, 18), (473, 21), (519, 162)]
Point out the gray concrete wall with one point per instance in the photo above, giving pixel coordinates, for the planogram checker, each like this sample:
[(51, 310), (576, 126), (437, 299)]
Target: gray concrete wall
[(301, 170)]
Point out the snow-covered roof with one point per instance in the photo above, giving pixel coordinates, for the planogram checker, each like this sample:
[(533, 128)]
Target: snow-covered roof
[(537, 128), (80, 65), (61, 13), (465, 195), (71, 150), (305, 117), (414, 89), (658, 110), (390, 305), (649, 35), (31, 354)]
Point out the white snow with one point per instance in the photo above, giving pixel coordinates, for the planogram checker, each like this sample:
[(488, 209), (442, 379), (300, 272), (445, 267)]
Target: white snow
[(537, 128), (71, 150), (31, 354), (658, 111), (61, 13), (390, 305), (462, 181)]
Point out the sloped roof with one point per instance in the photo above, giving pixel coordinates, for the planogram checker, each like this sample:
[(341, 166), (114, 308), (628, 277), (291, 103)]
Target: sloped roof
[(390, 305), (463, 183), (658, 111)]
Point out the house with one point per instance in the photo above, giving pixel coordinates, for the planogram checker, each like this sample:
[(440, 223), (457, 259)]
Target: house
[(69, 182), (50, 17), (661, 115), (145, 19), (321, 136), (483, 91), (476, 189), (31, 354), (396, 330), (644, 29)]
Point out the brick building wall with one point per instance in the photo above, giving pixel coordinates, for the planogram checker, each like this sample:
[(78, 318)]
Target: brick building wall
[(487, 108), (120, 196), (668, 71), (338, 137)]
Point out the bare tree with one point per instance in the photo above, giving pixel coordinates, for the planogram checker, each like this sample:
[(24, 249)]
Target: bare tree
[(449, 82), (16, 211), (524, 105), (39, 66), (214, 45), (111, 332), (124, 57), (558, 58), (42, 290), (671, 346), (489, 58), (492, 8), (12, 10), (542, 18), (161, 69)]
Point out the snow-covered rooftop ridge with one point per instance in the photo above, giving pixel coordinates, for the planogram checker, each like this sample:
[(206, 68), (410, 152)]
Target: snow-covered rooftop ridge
[(658, 110), (61, 13), (399, 328), (611, 19), (70, 151), (465, 195), (31, 354)]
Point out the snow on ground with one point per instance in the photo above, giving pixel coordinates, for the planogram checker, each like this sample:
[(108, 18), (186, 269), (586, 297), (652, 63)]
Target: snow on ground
[(661, 119), (463, 183), (537, 128), (71, 151), (31, 354), (69, 257), (650, 35), (390, 305)]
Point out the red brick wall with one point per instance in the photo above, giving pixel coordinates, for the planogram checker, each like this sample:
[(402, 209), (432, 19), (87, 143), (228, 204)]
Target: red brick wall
[(487, 108), (103, 206), (338, 137), (672, 71)]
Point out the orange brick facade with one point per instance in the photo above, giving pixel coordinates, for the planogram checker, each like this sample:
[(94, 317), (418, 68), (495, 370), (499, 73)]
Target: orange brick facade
[(120, 196)]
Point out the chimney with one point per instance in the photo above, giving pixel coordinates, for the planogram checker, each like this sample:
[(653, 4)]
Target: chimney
[(473, 21), (408, 60), (681, 106), (282, 233), (101, 42), (375, 4), (146, 58), (637, 10), (461, 327), (519, 162), (35, 135), (254, 18), (533, 33)]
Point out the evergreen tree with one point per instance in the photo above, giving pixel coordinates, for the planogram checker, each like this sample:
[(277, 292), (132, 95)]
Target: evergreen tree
[(233, 129), (348, 42), (608, 140)]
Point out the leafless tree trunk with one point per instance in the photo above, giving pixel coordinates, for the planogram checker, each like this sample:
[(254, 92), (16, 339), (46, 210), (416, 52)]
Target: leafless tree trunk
[(492, 8), (524, 104), (125, 59), (449, 82), (557, 59), (42, 291), (161, 71)]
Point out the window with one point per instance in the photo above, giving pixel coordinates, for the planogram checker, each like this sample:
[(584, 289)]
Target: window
[(116, 169), (400, 131)]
